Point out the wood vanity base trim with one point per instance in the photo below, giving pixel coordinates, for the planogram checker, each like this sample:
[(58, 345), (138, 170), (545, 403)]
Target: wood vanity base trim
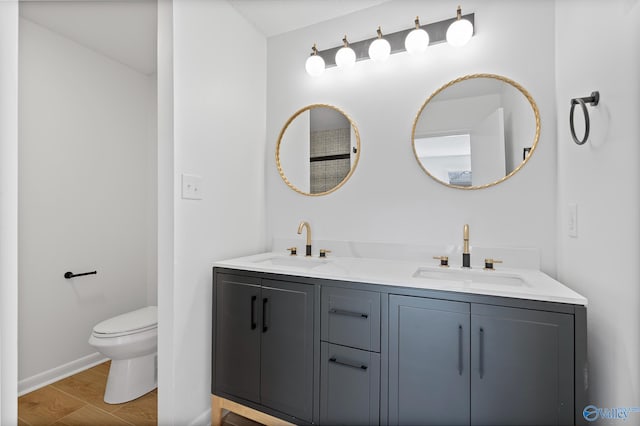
[(218, 404)]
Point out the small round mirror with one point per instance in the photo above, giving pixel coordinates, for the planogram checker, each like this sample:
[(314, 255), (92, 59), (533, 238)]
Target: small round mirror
[(317, 150), (476, 131)]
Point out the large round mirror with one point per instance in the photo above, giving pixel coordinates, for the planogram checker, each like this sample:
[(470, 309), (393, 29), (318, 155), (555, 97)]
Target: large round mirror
[(476, 131), (317, 150)]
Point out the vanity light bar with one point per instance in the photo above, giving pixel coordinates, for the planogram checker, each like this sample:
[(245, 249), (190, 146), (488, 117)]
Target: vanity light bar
[(437, 34)]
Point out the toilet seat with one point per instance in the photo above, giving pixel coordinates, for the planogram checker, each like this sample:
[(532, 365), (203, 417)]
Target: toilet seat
[(130, 323)]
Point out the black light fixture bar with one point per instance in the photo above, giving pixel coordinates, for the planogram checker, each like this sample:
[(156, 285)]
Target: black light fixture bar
[(437, 34)]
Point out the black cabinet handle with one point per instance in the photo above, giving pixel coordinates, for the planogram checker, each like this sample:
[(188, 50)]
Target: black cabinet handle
[(481, 353), (253, 312), (460, 354), (348, 313), (347, 364), (265, 327)]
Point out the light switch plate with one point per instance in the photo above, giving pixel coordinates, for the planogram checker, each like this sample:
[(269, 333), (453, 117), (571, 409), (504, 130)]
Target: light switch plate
[(191, 187), (572, 221)]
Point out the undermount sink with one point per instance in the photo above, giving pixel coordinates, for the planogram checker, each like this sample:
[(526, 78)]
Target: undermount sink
[(293, 261), (471, 276)]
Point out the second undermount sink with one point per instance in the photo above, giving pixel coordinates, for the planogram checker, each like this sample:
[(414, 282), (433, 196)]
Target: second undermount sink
[(471, 276), (293, 261)]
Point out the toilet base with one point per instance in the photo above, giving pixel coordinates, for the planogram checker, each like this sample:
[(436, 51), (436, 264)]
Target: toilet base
[(131, 378)]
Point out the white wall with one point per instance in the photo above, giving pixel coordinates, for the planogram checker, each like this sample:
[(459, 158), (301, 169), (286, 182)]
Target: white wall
[(85, 196), (219, 69), (152, 193), (166, 392), (8, 212), (389, 198), (602, 178)]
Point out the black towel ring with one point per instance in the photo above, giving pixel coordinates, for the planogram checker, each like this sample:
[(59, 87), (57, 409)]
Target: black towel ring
[(593, 100)]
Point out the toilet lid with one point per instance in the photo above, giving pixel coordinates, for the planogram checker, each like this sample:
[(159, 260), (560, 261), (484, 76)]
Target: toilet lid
[(138, 320)]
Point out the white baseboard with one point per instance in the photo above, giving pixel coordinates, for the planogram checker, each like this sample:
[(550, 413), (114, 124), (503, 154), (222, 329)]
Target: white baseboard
[(203, 419), (50, 376)]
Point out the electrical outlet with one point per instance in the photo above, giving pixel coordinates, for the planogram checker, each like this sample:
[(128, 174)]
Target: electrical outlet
[(191, 187), (572, 223)]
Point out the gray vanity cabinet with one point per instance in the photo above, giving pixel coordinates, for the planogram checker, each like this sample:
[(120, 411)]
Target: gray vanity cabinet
[(319, 351), (351, 318), (428, 361), (349, 386), (522, 366), (350, 358), (237, 348), (286, 367), (263, 347), (459, 363)]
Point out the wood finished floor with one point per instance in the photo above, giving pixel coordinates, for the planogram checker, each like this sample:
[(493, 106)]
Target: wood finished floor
[(77, 401)]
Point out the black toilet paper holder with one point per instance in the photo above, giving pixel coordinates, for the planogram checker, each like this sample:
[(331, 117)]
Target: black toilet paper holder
[(69, 274)]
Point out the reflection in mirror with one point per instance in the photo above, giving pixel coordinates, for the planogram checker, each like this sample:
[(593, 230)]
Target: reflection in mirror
[(317, 150), (476, 131)]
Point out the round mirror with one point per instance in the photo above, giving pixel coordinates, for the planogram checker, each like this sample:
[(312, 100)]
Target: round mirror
[(476, 131), (317, 150)]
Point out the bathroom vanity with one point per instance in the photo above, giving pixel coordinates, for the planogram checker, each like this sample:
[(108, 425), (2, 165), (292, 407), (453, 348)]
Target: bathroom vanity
[(373, 341)]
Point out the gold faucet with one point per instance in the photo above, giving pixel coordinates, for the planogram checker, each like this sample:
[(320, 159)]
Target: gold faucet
[(466, 255), (304, 224)]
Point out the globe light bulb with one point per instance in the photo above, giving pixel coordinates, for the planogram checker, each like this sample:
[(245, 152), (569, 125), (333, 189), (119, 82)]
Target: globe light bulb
[(417, 40), (460, 31), (345, 56), (314, 64), (380, 49)]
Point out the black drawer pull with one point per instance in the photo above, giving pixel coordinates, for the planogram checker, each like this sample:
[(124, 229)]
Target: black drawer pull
[(347, 364), (265, 327), (348, 313)]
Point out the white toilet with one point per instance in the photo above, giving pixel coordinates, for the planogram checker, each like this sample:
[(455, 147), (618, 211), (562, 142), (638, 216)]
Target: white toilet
[(131, 341)]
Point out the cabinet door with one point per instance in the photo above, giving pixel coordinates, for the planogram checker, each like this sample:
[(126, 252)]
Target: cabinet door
[(287, 348), (237, 336), (522, 367), (428, 361), (349, 386)]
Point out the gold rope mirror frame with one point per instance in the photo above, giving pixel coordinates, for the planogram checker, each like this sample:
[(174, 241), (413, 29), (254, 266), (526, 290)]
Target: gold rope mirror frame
[(526, 155), (353, 145)]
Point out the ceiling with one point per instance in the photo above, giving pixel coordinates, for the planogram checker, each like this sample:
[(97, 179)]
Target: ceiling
[(122, 30), (127, 30)]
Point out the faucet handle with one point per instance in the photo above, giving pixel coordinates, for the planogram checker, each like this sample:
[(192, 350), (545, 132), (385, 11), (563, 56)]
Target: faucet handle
[(323, 252), (444, 260), (488, 264), (293, 251)]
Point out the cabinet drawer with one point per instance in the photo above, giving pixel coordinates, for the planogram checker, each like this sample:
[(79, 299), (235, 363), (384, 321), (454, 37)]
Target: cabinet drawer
[(349, 386), (351, 318)]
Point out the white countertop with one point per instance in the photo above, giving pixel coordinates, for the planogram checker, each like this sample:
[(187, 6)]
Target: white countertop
[(530, 284)]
